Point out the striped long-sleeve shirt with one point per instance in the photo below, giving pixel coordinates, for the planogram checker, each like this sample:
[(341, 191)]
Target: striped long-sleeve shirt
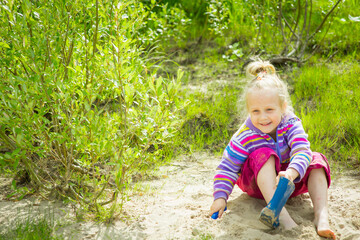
[(291, 146)]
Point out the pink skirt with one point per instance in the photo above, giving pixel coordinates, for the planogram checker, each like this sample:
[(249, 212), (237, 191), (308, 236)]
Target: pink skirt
[(247, 180)]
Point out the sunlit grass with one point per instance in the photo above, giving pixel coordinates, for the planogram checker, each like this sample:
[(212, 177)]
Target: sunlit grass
[(209, 118), (212, 115), (32, 229), (327, 100)]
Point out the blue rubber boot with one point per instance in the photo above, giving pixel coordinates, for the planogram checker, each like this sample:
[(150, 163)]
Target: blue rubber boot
[(270, 214)]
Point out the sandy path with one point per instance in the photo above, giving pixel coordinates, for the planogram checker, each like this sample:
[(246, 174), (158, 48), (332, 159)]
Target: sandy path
[(179, 209), (176, 204)]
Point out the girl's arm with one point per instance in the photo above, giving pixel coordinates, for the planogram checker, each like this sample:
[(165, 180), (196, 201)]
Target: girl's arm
[(229, 169), (300, 153)]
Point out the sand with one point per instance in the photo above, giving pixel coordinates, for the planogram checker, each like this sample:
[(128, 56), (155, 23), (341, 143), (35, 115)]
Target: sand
[(175, 205)]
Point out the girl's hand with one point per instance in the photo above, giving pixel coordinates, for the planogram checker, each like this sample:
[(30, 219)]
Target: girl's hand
[(290, 174), (218, 206)]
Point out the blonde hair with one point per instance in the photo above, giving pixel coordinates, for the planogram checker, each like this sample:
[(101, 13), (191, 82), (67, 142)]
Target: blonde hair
[(263, 76)]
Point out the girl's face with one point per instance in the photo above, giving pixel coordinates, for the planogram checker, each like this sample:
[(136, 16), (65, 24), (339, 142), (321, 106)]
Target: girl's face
[(265, 110)]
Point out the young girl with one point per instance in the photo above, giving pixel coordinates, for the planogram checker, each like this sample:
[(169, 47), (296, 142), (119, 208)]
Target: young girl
[(272, 143)]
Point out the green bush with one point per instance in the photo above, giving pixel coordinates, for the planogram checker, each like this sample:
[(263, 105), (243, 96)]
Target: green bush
[(255, 24), (82, 110), (165, 23)]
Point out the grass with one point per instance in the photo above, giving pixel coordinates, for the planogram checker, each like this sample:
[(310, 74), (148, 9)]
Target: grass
[(209, 117), (204, 236), (212, 113), (32, 229), (327, 101)]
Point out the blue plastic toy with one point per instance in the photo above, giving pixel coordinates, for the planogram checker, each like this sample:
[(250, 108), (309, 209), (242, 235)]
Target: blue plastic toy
[(216, 214), (270, 214)]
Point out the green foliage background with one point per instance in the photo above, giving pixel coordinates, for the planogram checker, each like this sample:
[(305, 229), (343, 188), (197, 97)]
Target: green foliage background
[(82, 109), (92, 95)]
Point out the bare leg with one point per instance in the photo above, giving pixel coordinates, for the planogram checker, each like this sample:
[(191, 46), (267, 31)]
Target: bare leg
[(266, 180), (318, 187)]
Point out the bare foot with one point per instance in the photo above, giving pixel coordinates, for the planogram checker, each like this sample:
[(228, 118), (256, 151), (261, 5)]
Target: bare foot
[(321, 222), (286, 221), (327, 233)]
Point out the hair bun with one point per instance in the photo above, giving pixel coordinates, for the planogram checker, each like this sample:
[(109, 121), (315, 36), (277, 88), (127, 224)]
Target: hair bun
[(254, 68)]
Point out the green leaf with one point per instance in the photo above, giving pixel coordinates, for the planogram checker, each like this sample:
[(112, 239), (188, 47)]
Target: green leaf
[(158, 83), (13, 185), (87, 106), (16, 163), (4, 45), (129, 93), (19, 138), (152, 86)]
